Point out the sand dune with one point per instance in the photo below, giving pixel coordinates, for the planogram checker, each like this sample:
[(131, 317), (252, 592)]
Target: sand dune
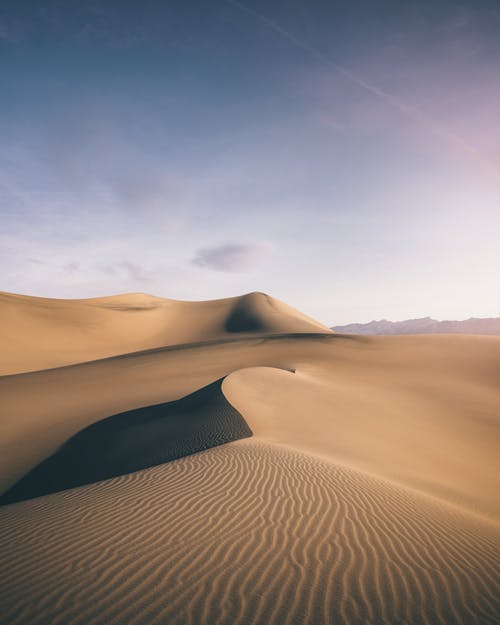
[(40, 333), (42, 410), (422, 411), (245, 534), (368, 493), (136, 440)]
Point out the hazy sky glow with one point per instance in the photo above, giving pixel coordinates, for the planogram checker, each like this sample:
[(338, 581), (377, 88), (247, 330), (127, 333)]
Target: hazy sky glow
[(342, 156)]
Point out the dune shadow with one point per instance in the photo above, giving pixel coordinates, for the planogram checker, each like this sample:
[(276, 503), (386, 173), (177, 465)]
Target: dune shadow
[(135, 440), (245, 317)]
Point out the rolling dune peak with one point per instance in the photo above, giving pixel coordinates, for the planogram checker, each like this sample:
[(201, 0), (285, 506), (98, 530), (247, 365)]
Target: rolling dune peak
[(235, 462)]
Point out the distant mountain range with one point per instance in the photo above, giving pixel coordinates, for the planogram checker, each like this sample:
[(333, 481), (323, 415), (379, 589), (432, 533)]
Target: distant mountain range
[(425, 325)]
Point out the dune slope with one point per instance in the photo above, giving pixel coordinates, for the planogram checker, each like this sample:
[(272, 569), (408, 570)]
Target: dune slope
[(245, 534), (135, 440), (421, 411), (40, 333), (368, 493)]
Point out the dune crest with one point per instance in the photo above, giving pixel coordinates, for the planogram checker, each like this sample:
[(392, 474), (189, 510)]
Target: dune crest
[(367, 494), (375, 416), (135, 440), (41, 333)]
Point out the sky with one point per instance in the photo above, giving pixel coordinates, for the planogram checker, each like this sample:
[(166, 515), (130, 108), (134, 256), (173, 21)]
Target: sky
[(341, 156)]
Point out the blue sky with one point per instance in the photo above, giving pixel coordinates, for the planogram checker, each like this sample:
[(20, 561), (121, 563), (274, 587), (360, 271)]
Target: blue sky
[(342, 156)]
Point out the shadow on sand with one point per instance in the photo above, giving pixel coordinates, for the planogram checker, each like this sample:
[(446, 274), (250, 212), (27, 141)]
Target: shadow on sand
[(135, 440)]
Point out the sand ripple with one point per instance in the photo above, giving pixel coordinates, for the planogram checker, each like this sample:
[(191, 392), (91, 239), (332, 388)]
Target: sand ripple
[(135, 440), (245, 534)]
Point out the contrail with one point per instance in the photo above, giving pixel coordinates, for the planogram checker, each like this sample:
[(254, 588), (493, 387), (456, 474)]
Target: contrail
[(408, 110)]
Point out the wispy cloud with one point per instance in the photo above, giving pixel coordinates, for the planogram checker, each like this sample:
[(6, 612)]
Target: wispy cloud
[(129, 270), (408, 109), (137, 272), (11, 31), (88, 163), (72, 267), (232, 257)]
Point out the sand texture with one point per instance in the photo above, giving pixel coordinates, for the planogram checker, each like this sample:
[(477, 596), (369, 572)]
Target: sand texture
[(39, 333), (135, 440), (248, 534), (365, 491)]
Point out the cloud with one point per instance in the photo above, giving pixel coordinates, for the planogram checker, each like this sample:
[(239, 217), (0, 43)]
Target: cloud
[(409, 108), (72, 267), (137, 272), (232, 257), (11, 31), (89, 156), (128, 270)]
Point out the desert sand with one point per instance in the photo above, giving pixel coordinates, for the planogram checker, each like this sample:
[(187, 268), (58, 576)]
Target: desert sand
[(39, 333), (236, 462)]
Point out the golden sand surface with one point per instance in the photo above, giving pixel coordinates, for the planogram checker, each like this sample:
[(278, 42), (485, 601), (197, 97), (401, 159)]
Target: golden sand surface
[(368, 493)]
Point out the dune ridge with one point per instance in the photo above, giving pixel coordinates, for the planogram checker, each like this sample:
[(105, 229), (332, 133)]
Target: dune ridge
[(367, 495), (41, 333), (135, 440), (246, 533), (421, 411), (73, 397)]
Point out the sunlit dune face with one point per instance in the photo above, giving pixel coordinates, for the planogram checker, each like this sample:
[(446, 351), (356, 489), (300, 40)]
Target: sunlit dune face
[(243, 452), (179, 447)]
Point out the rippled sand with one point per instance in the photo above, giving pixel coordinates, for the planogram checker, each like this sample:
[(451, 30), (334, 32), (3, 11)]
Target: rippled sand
[(248, 533), (367, 494)]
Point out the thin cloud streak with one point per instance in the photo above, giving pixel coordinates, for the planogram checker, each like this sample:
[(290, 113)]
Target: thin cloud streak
[(411, 112)]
